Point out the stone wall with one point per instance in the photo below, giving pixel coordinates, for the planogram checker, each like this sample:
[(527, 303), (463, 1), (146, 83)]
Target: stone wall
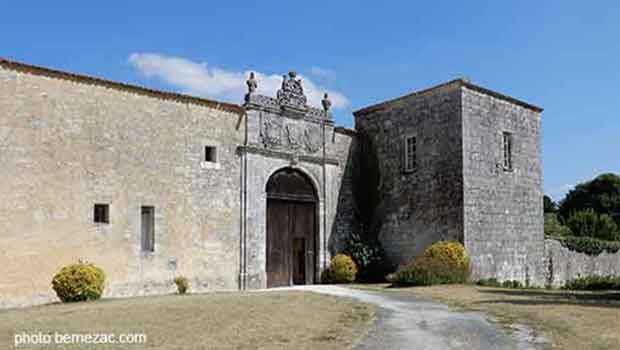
[(503, 227), (66, 144), (425, 205), (563, 264)]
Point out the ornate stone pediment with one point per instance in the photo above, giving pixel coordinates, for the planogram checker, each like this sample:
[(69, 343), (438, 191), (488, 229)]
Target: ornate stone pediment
[(290, 100)]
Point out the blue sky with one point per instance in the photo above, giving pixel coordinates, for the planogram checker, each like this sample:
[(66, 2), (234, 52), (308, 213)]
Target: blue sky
[(561, 55)]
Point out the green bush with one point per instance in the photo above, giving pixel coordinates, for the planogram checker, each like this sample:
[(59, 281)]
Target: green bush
[(553, 226), (79, 282), (489, 282), (512, 284), (342, 269), (588, 245), (588, 223), (182, 284), (369, 257), (452, 251), (493, 282), (428, 271), (593, 283)]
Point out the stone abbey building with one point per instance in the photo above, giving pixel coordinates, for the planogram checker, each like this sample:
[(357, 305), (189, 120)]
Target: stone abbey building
[(150, 185)]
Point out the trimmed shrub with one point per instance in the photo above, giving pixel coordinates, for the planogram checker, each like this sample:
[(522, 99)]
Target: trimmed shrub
[(588, 245), (369, 257), (79, 282), (428, 271), (342, 269), (593, 283), (182, 284), (452, 251)]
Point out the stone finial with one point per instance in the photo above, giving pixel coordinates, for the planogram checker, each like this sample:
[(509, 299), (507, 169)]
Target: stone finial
[(252, 83), (326, 102)]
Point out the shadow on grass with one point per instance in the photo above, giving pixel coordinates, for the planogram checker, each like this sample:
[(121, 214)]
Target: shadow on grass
[(540, 297)]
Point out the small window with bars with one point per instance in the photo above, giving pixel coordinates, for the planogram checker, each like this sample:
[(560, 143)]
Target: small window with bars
[(101, 213), (507, 150), (410, 156)]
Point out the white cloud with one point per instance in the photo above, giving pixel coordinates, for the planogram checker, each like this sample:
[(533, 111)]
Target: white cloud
[(323, 73), (203, 80)]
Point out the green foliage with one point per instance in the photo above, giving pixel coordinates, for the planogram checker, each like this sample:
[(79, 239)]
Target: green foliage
[(588, 245), (182, 284), (593, 283), (489, 282), (512, 284), (79, 282), (588, 223), (452, 251), (342, 269), (369, 257), (493, 282), (428, 271), (549, 205), (601, 195), (553, 226)]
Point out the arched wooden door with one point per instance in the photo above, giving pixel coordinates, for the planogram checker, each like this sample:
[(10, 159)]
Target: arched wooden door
[(291, 229)]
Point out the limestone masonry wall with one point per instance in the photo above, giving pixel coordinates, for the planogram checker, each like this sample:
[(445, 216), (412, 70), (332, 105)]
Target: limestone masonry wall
[(424, 205), (503, 212), (562, 264), (66, 145)]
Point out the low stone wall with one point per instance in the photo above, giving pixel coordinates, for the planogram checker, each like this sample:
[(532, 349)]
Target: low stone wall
[(564, 264)]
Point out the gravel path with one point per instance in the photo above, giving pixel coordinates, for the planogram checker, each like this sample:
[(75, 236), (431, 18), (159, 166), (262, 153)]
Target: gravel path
[(407, 322)]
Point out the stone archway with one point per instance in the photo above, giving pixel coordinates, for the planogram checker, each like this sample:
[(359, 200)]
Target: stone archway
[(292, 238)]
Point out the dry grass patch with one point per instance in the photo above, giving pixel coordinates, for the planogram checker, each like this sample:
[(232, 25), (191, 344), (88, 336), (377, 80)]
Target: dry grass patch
[(571, 320), (273, 320)]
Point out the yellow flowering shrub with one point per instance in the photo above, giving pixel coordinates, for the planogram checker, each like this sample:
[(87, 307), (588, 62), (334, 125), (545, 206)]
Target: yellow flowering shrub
[(451, 251), (342, 269), (79, 282), (182, 284)]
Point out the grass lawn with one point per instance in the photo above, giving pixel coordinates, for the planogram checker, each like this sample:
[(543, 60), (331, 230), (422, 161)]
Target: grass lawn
[(272, 320), (571, 320)]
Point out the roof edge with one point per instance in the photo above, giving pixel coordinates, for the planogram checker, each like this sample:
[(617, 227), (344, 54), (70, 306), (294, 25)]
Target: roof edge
[(87, 79), (460, 83)]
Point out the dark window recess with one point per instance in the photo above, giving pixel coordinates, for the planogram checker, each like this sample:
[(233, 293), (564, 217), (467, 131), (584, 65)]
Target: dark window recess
[(410, 153), (210, 154), (507, 150), (148, 229), (102, 213)]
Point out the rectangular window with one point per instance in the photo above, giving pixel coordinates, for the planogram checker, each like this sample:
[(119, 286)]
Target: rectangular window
[(411, 162), (102, 213), (507, 150), (210, 154), (148, 229)]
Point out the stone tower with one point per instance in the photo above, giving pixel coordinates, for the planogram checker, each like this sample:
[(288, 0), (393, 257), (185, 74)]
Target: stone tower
[(458, 161)]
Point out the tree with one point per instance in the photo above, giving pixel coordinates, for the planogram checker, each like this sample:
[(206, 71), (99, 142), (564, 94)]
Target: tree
[(549, 205), (602, 195), (553, 227), (588, 223)]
